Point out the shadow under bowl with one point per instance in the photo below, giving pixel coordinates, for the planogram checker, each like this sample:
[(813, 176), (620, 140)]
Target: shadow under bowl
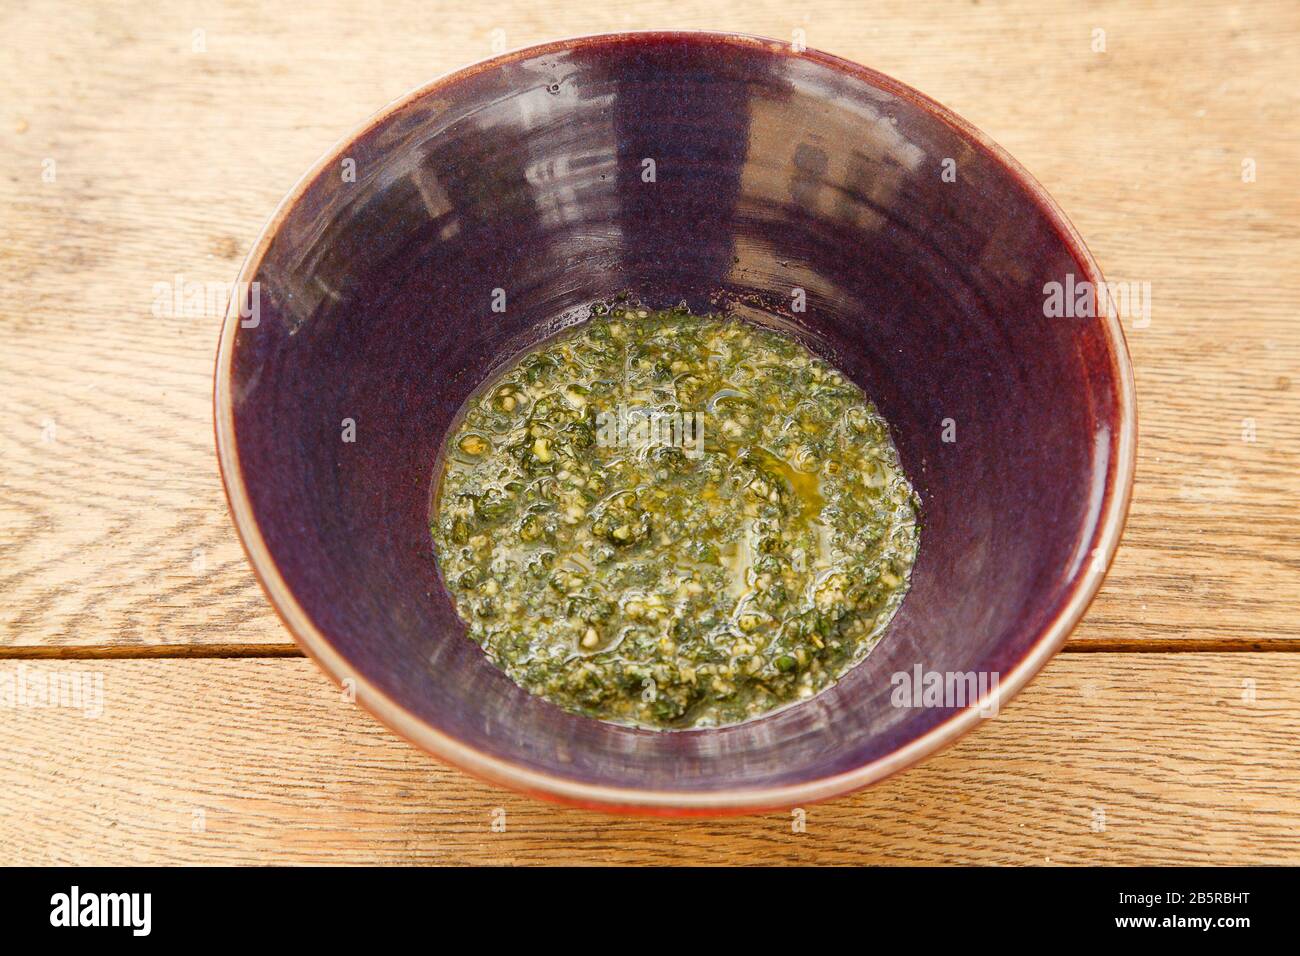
[(726, 171)]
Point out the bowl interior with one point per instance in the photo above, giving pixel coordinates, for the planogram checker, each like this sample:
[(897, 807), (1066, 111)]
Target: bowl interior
[(716, 170)]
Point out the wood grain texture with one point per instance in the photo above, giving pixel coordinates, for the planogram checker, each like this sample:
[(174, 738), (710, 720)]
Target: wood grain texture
[(264, 760), (112, 524), (113, 529)]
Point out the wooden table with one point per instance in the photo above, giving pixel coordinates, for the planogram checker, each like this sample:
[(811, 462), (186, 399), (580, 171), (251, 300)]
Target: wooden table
[(138, 145)]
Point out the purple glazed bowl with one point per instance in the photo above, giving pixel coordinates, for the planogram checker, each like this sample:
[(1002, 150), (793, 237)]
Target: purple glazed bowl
[(774, 170)]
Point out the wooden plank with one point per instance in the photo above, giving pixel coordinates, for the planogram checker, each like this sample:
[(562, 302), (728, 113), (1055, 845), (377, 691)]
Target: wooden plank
[(113, 531), (1105, 759)]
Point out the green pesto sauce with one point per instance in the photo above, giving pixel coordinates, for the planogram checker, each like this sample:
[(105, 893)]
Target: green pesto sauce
[(673, 521)]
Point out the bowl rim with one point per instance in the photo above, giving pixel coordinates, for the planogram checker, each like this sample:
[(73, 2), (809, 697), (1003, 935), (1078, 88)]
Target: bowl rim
[(1084, 586)]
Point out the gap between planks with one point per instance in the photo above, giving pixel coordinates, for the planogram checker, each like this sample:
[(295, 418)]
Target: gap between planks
[(108, 652)]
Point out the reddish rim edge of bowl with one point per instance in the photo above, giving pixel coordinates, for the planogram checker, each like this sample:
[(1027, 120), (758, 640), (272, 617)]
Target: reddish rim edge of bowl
[(623, 800)]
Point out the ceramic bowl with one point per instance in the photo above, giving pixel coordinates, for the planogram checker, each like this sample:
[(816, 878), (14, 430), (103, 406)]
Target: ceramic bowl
[(730, 172)]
